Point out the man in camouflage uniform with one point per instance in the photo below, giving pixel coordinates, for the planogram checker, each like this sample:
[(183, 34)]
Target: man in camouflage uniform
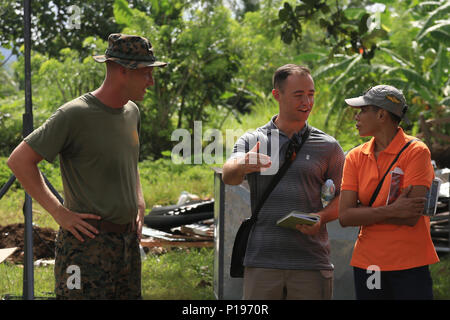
[(97, 139)]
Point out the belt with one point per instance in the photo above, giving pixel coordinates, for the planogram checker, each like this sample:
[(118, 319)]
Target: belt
[(106, 226)]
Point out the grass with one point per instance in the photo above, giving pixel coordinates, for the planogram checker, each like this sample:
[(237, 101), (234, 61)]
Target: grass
[(162, 181), (440, 273), (11, 211), (11, 281), (178, 274)]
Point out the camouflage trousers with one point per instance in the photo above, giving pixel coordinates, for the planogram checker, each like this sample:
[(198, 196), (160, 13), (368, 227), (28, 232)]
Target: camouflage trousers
[(107, 267)]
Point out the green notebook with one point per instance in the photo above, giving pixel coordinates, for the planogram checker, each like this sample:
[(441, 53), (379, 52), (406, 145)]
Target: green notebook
[(296, 217)]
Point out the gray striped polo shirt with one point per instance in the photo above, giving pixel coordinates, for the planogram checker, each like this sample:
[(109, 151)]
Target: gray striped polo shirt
[(320, 158)]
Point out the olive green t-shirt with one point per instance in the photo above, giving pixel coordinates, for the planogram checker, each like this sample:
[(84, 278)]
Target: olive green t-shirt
[(98, 149)]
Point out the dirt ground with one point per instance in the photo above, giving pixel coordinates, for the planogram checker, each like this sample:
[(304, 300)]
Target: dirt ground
[(43, 242)]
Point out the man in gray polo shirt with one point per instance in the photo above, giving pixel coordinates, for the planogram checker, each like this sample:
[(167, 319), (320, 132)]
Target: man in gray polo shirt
[(282, 263)]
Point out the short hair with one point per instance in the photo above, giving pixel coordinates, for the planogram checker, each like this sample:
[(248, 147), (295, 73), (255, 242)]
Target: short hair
[(285, 71), (395, 118), (112, 65)]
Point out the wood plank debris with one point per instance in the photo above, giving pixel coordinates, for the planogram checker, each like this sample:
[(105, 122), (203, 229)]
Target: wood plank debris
[(191, 236), (6, 252), (197, 229), (151, 243), (440, 231)]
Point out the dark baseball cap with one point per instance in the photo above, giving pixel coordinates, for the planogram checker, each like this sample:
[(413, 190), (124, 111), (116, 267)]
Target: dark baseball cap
[(385, 97), (130, 51)]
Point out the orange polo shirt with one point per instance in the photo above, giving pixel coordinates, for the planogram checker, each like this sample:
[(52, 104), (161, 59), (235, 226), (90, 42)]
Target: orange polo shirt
[(390, 247)]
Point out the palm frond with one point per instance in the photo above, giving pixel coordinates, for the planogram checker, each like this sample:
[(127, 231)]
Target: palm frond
[(440, 32), (122, 13), (442, 11), (397, 57), (422, 84), (333, 68), (347, 71), (439, 65), (445, 101)]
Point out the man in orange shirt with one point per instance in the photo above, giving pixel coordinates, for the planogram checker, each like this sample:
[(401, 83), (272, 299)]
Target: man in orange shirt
[(394, 239)]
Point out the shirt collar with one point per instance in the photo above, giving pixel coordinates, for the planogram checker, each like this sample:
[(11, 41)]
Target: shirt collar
[(272, 126), (393, 148)]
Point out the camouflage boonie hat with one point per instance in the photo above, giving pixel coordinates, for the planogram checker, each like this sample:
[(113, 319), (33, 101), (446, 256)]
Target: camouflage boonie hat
[(132, 52)]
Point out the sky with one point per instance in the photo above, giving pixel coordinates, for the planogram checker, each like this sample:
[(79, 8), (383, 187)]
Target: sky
[(5, 53)]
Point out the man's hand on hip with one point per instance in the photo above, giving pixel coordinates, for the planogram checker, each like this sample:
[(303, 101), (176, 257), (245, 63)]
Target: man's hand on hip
[(74, 223)]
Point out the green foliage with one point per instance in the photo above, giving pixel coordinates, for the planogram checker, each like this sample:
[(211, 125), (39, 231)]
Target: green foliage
[(55, 81), (440, 273), (220, 66), (12, 202), (261, 50), (66, 78), (438, 29), (7, 83), (412, 60), (10, 124), (344, 30), (441, 278), (196, 179), (61, 23), (202, 65), (5, 174)]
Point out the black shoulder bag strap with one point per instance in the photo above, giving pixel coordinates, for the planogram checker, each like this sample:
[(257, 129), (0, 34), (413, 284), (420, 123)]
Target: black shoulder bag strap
[(291, 153), (375, 193)]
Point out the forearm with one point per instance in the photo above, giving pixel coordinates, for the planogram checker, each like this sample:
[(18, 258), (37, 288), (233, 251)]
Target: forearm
[(330, 212), (232, 172), (392, 211), (402, 221), (416, 191), (32, 181), (362, 215)]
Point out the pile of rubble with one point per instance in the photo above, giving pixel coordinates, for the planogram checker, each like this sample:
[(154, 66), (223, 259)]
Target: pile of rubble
[(12, 236), (440, 231), (440, 222), (189, 223)]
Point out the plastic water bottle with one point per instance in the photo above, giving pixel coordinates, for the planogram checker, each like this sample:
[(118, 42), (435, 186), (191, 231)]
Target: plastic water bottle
[(328, 192), (142, 252), (184, 197)]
